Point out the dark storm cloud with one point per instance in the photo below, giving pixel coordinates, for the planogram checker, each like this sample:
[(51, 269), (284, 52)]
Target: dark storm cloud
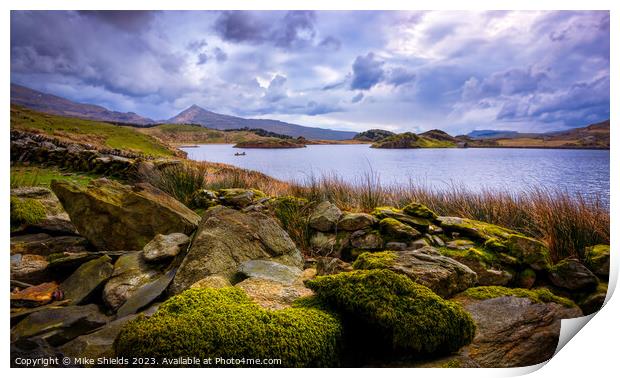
[(131, 21), (367, 71), (293, 28)]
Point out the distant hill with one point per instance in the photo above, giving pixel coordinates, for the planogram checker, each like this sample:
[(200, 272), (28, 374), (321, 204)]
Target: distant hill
[(412, 140), (51, 104), (373, 135), (491, 134), (197, 115), (593, 136)]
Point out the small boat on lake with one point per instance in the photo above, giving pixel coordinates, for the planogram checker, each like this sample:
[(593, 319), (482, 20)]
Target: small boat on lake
[(239, 153)]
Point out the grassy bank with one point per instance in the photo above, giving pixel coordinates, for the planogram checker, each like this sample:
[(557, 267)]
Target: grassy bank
[(22, 175), (566, 223), (98, 134)]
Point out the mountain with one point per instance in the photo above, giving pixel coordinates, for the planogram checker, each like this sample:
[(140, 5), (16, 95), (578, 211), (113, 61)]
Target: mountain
[(197, 115), (51, 104), (373, 135)]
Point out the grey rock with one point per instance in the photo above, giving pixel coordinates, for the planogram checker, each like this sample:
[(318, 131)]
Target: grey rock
[(165, 246), (226, 238), (356, 221), (324, 217), (573, 275), (86, 279), (270, 270)]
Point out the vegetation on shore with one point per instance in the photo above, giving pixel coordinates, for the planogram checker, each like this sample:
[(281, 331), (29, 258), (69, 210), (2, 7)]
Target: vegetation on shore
[(272, 143), (28, 175)]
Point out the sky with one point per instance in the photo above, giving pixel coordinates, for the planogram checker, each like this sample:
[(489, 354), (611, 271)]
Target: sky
[(397, 70)]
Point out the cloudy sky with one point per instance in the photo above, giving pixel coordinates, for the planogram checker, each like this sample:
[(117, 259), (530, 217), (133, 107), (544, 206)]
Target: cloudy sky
[(402, 71)]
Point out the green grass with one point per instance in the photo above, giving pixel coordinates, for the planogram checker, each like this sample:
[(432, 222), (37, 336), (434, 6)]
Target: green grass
[(99, 134), (43, 176), (193, 134)]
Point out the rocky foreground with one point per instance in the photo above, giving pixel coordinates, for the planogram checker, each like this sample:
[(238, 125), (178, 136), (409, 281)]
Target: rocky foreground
[(128, 272)]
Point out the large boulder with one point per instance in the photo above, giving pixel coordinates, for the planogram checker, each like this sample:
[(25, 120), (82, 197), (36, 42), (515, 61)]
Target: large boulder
[(86, 279), (163, 247), (57, 326), (391, 316), (490, 272), (597, 259), (515, 327), (226, 238), (36, 208), (226, 323), (239, 197), (572, 275), (441, 274), (324, 217), (113, 216)]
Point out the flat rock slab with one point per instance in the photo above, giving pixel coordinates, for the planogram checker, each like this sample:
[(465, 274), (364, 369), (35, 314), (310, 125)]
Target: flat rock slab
[(273, 295), (35, 296), (130, 273), (97, 344), (31, 269), (164, 247), (59, 325), (45, 245), (270, 270), (86, 279), (113, 216)]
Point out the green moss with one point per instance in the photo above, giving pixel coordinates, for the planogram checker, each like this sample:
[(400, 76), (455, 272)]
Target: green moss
[(397, 230), (597, 259), (225, 323), (452, 364), (385, 211), (495, 245), (43, 176), (394, 314), (418, 210), (485, 257), (376, 260), (535, 295), (26, 211)]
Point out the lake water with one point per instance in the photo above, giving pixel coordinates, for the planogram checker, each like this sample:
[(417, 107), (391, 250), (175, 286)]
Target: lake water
[(514, 170)]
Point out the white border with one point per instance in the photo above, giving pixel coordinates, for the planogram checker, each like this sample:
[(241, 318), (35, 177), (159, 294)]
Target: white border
[(593, 352)]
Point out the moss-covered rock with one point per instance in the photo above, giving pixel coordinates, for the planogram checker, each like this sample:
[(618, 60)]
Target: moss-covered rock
[(526, 278), (514, 248), (441, 274), (597, 259), (115, 217), (536, 295), (415, 209), (239, 197), (324, 217), (590, 303), (486, 264), (225, 323), (26, 211), (420, 223), (572, 275), (393, 313), (356, 221), (396, 230)]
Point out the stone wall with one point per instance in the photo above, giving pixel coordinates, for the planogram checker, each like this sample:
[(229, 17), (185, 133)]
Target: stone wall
[(44, 150)]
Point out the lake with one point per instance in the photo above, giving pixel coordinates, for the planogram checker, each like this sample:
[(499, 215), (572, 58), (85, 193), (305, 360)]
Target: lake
[(514, 170)]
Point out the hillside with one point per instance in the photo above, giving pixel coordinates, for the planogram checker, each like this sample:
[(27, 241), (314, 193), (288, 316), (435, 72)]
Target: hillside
[(197, 115), (51, 104), (373, 135), (411, 140), (97, 134), (596, 136), (194, 134)]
